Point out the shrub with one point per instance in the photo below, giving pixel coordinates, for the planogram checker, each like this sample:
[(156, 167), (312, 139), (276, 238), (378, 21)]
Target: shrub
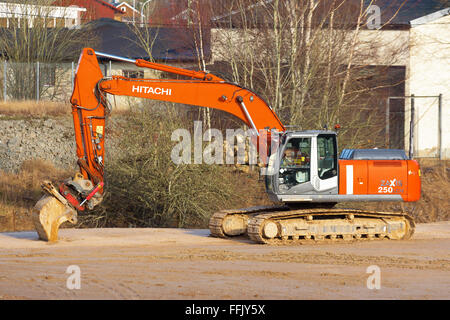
[(144, 188)]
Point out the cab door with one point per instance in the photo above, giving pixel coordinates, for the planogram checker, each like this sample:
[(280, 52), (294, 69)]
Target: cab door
[(324, 170)]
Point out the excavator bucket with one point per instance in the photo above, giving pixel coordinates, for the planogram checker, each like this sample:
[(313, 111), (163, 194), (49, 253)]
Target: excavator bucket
[(48, 214)]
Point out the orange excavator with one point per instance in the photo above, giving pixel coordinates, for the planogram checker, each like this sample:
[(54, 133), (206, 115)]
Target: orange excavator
[(304, 174)]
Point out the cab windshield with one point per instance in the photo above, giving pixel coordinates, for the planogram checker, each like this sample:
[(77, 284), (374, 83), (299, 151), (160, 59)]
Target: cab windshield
[(295, 163)]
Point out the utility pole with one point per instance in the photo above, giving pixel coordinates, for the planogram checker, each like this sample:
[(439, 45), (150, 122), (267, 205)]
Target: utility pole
[(134, 7), (142, 11), (411, 128)]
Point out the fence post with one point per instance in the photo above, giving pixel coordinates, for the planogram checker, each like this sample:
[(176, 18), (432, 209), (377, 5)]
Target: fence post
[(411, 129), (37, 81), (440, 125), (386, 137), (72, 76), (4, 80)]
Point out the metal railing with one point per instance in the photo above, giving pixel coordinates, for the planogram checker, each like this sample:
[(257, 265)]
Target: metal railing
[(411, 120), (36, 81)]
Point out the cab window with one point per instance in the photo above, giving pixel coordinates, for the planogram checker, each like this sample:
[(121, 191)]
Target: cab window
[(327, 156), (295, 163)]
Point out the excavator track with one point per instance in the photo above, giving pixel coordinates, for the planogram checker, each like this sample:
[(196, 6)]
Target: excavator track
[(231, 223), (270, 225), (329, 225)]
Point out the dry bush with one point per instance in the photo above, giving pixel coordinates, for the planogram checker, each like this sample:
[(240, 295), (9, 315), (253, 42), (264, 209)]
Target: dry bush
[(34, 109), (42, 109), (435, 199), (19, 192), (138, 183), (144, 188)]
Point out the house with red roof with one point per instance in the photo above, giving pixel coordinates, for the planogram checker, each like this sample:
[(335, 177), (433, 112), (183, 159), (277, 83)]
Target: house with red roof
[(95, 9)]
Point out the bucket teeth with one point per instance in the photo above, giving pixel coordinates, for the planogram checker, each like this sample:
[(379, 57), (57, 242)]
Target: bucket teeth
[(48, 214)]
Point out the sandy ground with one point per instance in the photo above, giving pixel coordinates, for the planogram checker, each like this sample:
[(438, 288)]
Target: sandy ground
[(188, 264)]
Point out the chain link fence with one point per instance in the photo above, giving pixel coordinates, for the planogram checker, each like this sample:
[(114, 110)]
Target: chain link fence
[(416, 123), (36, 81)]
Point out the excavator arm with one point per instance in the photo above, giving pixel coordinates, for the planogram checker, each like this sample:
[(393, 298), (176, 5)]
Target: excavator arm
[(89, 105), (90, 109)]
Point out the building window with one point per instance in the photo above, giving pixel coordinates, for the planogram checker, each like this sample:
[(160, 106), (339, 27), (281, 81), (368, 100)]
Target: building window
[(133, 74), (123, 9), (60, 22)]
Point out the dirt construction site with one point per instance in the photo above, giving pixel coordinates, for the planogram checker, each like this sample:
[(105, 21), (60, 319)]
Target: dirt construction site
[(185, 264)]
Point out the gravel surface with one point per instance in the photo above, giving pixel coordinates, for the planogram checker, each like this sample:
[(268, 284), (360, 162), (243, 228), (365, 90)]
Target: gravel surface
[(189, 264)]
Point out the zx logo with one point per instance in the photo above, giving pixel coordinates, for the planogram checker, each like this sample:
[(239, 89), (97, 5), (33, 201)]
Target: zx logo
[(391, 183)]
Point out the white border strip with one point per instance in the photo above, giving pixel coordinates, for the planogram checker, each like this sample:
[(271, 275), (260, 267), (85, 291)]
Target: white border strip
[(349, 172)]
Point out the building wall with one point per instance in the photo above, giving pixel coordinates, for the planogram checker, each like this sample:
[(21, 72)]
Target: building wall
[(425, 52), (129, 14), (383, 47), (429, 66), (375, 47), (52, 16), (94, 9)]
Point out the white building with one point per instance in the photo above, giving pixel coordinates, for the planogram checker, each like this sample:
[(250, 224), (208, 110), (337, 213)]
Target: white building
[(424, 52), (52, 16), (429, 75)]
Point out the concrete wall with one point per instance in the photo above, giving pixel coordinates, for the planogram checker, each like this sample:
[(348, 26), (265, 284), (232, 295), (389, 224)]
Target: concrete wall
[(424, 50), (383, 47)]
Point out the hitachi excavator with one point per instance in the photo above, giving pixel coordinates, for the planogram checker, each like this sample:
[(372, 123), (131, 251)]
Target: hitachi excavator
[(304, 175)]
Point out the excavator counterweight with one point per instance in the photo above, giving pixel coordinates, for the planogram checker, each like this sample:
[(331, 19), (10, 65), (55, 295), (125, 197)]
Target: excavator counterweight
[(304, 173)]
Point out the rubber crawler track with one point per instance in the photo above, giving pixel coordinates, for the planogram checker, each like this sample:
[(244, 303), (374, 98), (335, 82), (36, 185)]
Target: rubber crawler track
[(216, 221), (258, 216)]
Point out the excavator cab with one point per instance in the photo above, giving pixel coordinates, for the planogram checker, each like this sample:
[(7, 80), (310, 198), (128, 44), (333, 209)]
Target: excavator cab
[(304, 165)]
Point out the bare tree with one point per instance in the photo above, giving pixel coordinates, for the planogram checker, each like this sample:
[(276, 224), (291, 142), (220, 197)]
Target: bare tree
[(188, 22), (312, 60), (197, 20)]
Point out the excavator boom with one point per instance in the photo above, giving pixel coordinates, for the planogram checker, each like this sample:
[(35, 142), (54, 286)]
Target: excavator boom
[(89, 104)]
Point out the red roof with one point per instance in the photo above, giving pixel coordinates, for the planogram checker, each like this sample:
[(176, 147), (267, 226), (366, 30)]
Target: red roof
[(109, 5)]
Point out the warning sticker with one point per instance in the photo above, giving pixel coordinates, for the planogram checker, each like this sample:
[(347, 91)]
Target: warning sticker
[(99, 130)]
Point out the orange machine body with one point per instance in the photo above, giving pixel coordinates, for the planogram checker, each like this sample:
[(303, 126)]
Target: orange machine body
[(380, 177)]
